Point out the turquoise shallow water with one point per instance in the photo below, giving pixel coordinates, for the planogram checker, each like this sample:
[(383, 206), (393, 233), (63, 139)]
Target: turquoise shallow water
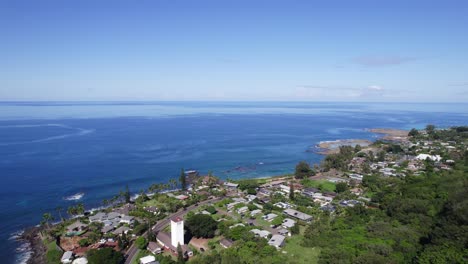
[(50, 151)]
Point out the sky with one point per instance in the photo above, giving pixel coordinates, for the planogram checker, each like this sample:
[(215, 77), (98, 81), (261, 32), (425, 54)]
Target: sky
[(150, 50)]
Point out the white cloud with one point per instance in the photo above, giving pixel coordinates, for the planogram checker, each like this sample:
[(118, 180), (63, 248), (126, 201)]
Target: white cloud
[(375, 88)]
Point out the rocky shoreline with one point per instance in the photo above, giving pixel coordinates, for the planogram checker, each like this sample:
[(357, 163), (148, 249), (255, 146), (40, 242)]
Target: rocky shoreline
[(32, 236), (390, 134)]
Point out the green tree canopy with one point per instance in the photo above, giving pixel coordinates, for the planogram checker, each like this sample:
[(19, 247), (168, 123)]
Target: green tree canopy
[(303, 170), (201, 225), (104, 256)]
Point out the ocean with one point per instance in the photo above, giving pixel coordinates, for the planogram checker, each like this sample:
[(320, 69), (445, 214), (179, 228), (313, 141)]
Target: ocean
[(52, 151)]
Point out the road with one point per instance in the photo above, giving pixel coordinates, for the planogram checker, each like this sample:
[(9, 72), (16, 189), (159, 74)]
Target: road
[(133, 250)]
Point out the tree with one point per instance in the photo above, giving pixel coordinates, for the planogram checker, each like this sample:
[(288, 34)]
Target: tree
[(381, 156), (127, 194), (295, 229), (201, 225), (291, 191), (303, 170), (341, 187), (183, 180), (59, 210), (84, 242), (141, 242), (357, 148), (413, 132), (80, 209), (180, 254), (104, 256), (46, 218), (430, 129)]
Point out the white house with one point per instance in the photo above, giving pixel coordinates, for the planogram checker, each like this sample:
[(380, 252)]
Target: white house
[(269, 217), (242, 210), (67, 257), (427, 156), (276, 241), (148, 260)]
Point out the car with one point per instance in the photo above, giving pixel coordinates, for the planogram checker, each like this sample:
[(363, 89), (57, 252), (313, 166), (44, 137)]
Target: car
[(202, 249)]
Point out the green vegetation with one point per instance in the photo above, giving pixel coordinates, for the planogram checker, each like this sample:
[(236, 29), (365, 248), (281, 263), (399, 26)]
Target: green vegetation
[(322, 185), (201, 225), (141, 242), (53, 254), (339, 160), (104, 256), (420, 219), (303, 170), (299, 254)]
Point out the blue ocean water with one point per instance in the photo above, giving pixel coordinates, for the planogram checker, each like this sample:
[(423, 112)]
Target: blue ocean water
[(51, 150)]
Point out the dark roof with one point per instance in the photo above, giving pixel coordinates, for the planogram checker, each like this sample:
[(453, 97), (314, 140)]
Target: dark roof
[(176, 219), (165, 238), (226, 242), (153, 246)]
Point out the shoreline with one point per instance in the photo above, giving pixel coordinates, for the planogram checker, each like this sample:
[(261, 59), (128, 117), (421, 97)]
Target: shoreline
[(37, 250), (333, 146)]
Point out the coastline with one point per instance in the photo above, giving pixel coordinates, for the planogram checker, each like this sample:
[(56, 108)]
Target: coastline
[(333, 146), (37, 249), (31, 235)]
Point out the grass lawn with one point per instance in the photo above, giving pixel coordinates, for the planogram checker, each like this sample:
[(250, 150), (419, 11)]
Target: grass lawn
[(299, 253), (323, 185)]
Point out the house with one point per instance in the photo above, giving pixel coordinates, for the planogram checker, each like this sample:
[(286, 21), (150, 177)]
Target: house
[(81, 260), (151, 209), (276, 241), (153, 247), (285, 189), (67, 257), (310, 191), (427, 156), (99, 217), (269, 217), (284, 232), (260, 233), (120, 230), (264, 191), (288, 223), (164, 239), (76, 227), (250, 197), (255, 212), (355, 176), (231, 205), (283, 205), (226, 243), (126, 219), (242, 210), (148, 260), (107, 229), (181, 197), (231, 185), (298, 215)]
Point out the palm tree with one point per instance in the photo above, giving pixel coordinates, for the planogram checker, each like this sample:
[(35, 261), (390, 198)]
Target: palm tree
[(80, 209), (71, 211), (46, 217), (173, 183), (59, 210)]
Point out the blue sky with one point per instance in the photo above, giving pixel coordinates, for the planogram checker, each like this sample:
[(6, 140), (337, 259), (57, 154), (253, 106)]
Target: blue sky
[(234, 50)]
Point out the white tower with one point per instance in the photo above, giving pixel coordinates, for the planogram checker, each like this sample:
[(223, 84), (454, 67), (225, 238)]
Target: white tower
[(177, 231)]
